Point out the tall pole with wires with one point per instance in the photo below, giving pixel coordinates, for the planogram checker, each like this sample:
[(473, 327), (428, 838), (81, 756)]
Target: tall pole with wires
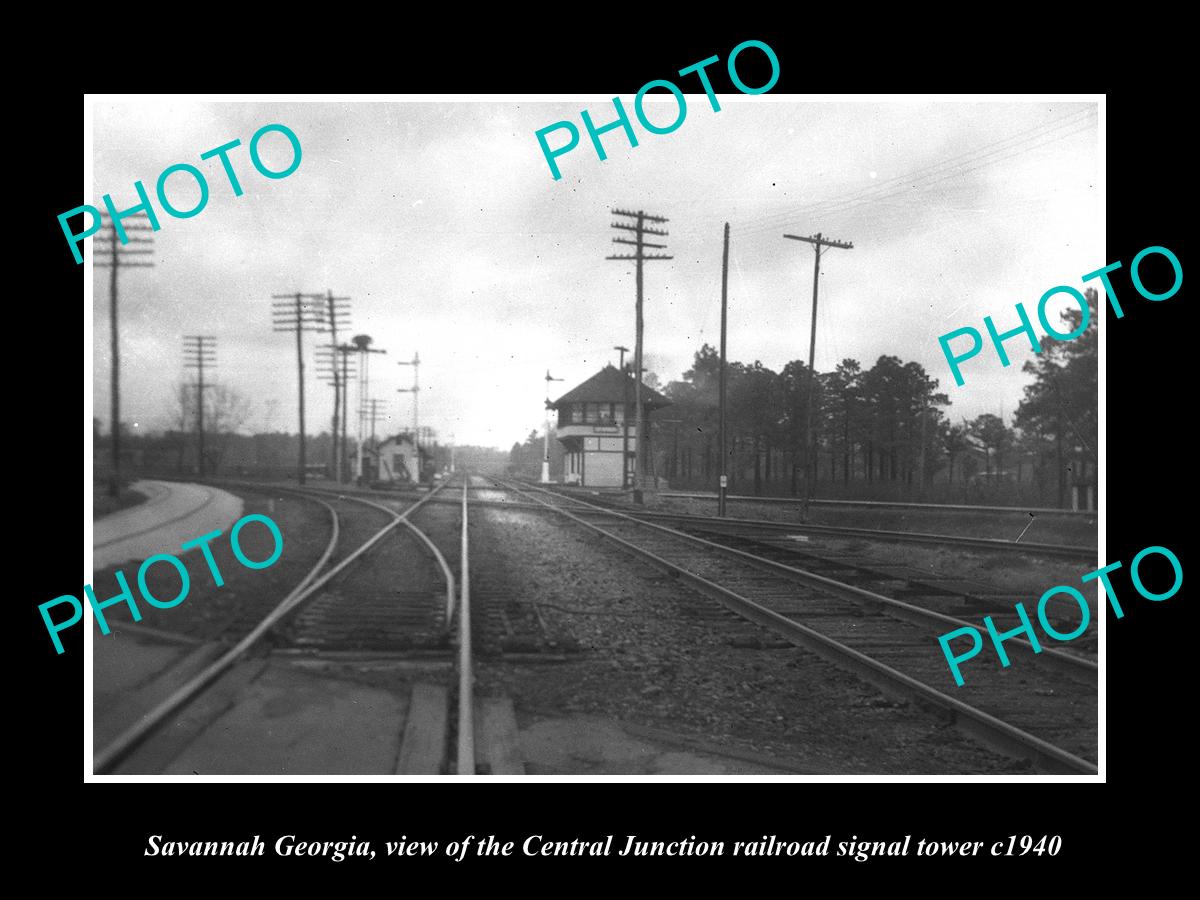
[(337, 315), (415, 390), (117, 255), (640, 230), (372, 413), (336, 366), (624, 417), (299, 313), (362, 344), (723, 483), (809, 438), (199, 352), (346, 352), (546, 436)]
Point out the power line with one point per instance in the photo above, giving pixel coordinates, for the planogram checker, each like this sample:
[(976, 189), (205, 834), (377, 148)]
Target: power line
[(120, 258), (336, 366), (919, 179), (415, 390), (299, 313), (370, 409), (949, 164), (199, 351), (362, 345), (809, 443), (337, 314), (546, 436), (640, 230), (624, 416)]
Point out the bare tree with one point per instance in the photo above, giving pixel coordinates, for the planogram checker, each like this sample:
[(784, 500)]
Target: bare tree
[(184, 419), (225, 412)]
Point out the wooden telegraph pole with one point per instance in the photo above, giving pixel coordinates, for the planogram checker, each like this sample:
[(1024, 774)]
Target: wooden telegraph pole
[(362, 344), (336, 367), (624, 418), (415, 390), (640, 230), (296, 312), (810, 444), (198, 351), (120, 257), (337, 314), (724, 477)]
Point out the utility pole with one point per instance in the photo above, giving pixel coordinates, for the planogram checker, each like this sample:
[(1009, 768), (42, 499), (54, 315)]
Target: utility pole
[(546, 436), (337, 312), (371, 412), (415, 390), (368, 412), (335, 367), (810, 444), (924, 417), (119, 258), (297, 312), (640, 231), (624, 419), (724, 478), (199, 350), (362, 343), (345, 350)]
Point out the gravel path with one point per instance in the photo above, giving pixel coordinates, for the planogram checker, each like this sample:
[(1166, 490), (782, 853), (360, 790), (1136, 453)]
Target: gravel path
[(652, 653)]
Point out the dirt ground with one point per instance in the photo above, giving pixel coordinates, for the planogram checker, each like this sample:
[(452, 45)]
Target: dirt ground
[(247, 594), (104, 505), (653, 654), (1074, 530)]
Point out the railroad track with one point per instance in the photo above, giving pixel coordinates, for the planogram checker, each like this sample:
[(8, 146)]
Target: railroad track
[(888, 642), (742, 525), (945, 593), (1020, 511), (324, 614), (789, 544)]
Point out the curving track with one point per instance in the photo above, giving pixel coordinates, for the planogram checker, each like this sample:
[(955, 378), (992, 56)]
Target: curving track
[(316, 631), (887, 642)]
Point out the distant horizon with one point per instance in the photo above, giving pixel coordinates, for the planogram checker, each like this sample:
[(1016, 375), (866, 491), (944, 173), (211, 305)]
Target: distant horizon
[(496, 274)]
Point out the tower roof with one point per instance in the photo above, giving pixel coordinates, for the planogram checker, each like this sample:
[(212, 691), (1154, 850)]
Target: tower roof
[(608, 386)]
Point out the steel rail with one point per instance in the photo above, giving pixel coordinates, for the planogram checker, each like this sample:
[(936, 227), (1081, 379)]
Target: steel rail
[(355, 497), (133, 736), (889, 504), (914, 537), (447, 572), (907, 612), (1067, 551), (997, 733), (466, 675)]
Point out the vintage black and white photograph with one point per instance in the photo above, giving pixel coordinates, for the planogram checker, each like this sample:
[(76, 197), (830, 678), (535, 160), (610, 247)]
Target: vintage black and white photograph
[(448, 437)]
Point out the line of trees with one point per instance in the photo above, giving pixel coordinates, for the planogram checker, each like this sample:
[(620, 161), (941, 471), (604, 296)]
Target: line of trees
[(883, 432), (230, 450), (884, 425), (525, 457), (1058, 418), (886, 432)]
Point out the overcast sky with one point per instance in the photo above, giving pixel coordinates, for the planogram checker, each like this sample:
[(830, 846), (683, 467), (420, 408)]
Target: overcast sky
[(443, 224)]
